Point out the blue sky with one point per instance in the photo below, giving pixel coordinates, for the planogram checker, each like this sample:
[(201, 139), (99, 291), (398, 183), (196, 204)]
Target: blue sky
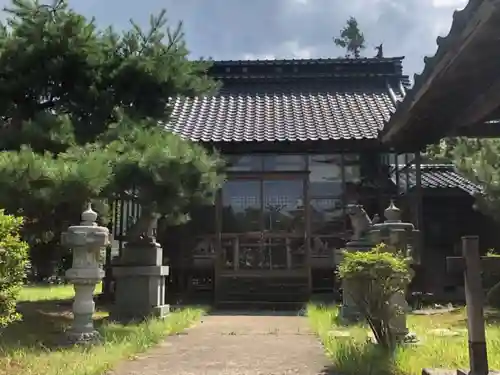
[(237, 29)]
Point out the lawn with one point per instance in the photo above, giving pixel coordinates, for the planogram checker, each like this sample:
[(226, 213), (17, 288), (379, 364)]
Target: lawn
[(354, 355), (30, 347), (50, 292)]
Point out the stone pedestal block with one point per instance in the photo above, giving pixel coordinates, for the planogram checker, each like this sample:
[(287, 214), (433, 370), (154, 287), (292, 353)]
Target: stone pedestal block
[(140, 281), (349, 312)]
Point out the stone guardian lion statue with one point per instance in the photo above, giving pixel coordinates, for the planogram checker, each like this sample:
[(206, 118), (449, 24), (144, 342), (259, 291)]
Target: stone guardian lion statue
[(360, 221)]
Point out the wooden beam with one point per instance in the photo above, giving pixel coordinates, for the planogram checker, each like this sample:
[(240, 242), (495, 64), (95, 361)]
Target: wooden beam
[(456, 264), (481, 130), (483, 106)]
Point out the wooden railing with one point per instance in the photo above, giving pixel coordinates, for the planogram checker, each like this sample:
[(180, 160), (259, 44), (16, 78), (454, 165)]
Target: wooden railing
[(263, 251), (267, 251)]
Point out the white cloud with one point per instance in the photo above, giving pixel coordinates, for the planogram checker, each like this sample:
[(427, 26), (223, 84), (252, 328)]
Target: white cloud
[(263, 29), (459, 4), (252, 56), (291, 49)]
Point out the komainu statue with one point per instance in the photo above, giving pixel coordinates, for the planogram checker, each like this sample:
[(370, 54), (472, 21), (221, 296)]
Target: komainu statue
[(144, 227), (360, 221)]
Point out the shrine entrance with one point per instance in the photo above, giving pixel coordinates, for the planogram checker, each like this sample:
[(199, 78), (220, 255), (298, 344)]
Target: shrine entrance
[(273, 233), (263, 248)]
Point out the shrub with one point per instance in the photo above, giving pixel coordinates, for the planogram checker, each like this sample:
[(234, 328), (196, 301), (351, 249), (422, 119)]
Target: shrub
[(13, 264), (491, 282), (373, 278), (493, 296)]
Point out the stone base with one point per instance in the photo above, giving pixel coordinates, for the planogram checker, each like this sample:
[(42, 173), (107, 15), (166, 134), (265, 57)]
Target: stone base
[(440, 371), (125, 316), (349, 315), (139, 284), (161, 311), (359, 245), (81, 338), (408, 338)]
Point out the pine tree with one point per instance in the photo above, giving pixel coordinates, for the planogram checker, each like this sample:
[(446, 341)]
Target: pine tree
[(477, 159), (351, 38), (81, 114)]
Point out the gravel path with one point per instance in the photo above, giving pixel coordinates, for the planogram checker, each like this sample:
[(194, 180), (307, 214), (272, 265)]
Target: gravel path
[(236, 344)]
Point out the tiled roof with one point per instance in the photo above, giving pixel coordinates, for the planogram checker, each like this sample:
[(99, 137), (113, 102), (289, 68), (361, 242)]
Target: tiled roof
[(434, 176), (293, 100), (444, 44), (446, 82)]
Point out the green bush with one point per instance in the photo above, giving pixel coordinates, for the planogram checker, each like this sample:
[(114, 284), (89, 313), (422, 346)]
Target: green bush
[(13, 263), (493, 296), (373, 278), (491, 282)]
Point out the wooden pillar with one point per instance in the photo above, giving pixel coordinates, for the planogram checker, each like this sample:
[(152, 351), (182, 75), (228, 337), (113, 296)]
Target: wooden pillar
[(307, 235), (407, 174), (418, 192), (236, 253), (218, 245), (380, 185), (396, 166), (288, 253), (472, 266), (474, 298)]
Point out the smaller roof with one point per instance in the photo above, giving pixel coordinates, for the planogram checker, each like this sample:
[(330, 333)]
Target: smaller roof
[(436, 176)]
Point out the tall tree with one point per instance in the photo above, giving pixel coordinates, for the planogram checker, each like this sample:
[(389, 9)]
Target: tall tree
[(479, 160), (81, 114), (351, 38)]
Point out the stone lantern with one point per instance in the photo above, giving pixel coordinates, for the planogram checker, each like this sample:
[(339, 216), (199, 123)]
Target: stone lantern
[(85, 241), (402, 237)]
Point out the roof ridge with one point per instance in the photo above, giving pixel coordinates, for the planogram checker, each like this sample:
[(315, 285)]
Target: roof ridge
[(428, 166), (362, 60)]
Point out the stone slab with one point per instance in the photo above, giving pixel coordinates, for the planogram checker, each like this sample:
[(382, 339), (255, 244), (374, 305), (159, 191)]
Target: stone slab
[(339, 334), (124, 315), (439, 371), (161, 311), (443, 332), (129, 271), (141, 254)]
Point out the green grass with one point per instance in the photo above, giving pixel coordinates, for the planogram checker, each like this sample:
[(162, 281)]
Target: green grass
[(354, 355), (50, 292), (30, 347)]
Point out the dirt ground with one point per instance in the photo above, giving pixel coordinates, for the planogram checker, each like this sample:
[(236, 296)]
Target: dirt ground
[(236, 344)]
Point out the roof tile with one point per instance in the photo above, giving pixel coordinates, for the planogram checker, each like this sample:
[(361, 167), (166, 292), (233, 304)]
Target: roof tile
[(297, 111), (434, 176), (308, 99)]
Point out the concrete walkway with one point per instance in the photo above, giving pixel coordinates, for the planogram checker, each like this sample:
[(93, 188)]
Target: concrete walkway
[(236, 344)]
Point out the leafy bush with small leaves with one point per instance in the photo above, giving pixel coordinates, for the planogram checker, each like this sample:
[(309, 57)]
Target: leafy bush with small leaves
[(13, 264), (373, 277), (493, 296), (491, 282)]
